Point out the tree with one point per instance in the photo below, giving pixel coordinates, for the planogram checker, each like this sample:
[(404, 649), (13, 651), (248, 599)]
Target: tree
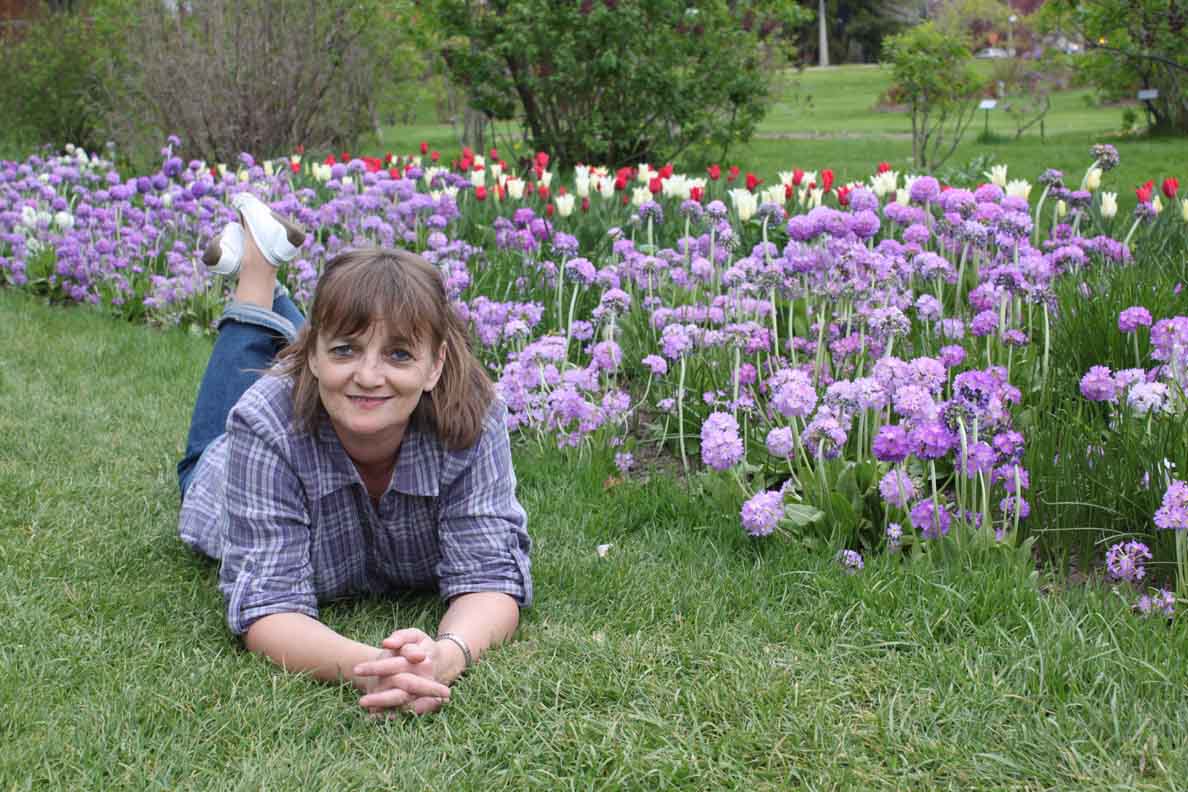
[(617, 81), (933, 71), (845, 29), (1133, 45)]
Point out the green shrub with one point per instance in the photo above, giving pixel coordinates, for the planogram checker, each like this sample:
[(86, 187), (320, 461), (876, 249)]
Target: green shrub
[(50, 89), (935, 75), (617, 82)]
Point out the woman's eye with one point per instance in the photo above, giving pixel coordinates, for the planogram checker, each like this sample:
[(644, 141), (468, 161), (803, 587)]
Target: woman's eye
[(341, 350), (400, 355)]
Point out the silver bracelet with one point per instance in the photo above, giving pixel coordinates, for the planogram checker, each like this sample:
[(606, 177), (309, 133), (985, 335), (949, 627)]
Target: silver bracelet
[(460, 642)]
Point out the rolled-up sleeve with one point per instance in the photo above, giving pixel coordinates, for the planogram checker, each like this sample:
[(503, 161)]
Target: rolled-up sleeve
[(266, 554), (483, 532)]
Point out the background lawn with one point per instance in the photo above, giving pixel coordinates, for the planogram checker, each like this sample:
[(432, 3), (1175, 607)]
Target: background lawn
[(689, 657), (826, 118)]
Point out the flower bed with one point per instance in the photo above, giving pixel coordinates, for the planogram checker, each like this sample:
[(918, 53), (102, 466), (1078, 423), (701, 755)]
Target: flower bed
[(863, 363)]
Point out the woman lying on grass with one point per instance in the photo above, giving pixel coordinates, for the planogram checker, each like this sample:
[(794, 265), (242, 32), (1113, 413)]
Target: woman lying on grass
[(371, 458)]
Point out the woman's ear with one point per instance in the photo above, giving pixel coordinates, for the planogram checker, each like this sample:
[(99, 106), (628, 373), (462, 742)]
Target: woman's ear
[(311, 361), (438, 367)]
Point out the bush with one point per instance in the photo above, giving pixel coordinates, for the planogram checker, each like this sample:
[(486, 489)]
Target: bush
[(934, 73), (253, 75), (1133, 44), (50, 91), (617, 82)]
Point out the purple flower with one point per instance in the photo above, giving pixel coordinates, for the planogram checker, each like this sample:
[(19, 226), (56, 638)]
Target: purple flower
[(1124, 561), (676, 341), (1172, 515), (952, 356), (980, 458), (1099, 385), (851, 561), (931, 520), (624, 461), (984, 324), (897, 488), (721, 447), (925, 190), (781, 442), (1133, 318), (891, 444), (932, 440), (762, 512), (1106, 156), (656, 364), (794, 395), (894, 536), (824, 435)]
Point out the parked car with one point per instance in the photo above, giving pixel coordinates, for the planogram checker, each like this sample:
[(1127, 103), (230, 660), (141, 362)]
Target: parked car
[(992, 53)]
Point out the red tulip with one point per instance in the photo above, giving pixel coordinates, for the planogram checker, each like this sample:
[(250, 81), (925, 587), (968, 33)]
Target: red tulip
[(549, 209), (394, 173), (435, 155), (346, 156), (843, 196), (666, 171), (655, 184), (788, 190), (480, 193), (1171, 186), (797, 177), (464, 165), (695, 194), (1144, 193), (494, 152), (586, 204), (467, 153), (330, 160), (542, 160), (424, 148), (295, 167), (714, 171), (620, 182), (753, 181), (542, 192), (884, 167), (733, 174), (299, 148), (826, 180)]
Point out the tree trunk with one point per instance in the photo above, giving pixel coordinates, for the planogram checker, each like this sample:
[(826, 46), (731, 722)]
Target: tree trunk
[(823, 29)]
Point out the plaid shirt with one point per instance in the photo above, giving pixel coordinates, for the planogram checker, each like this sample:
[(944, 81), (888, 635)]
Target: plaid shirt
[(289, 518)]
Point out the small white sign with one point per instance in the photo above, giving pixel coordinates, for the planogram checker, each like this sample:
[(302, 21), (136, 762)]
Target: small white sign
[(1147, 94), (988, 104)]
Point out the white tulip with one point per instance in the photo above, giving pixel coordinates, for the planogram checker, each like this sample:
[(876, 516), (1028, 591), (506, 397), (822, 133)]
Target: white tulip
[(745, 203), (515, 187), (997, 175), (564, 204), (1109, 205), (1019, 188)]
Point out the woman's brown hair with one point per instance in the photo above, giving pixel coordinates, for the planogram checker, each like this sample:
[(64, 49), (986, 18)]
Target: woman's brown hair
[(400, 288)]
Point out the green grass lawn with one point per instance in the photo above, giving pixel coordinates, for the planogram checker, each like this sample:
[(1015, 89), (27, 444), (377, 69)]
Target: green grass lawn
[(691, 657), (826, 118)]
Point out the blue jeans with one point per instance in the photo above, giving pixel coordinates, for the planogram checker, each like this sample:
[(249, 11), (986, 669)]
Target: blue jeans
[(249, 338)]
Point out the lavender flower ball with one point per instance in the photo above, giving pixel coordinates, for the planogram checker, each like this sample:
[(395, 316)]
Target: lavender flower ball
[(897, 488), (762, 513), (1099, 385), (891, 444), (931, 440), (851, 561), (721, 447), (780, 442), (952, 355), (1124, 561), (925, 190), (931, 520), (1172, 515), (1133, 318)]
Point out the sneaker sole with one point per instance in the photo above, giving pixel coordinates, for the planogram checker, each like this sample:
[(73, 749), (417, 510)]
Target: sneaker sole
[(213, 252), (294, 232)]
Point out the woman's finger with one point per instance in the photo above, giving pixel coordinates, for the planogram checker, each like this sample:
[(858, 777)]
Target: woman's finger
[(401, 637), (388, 666)]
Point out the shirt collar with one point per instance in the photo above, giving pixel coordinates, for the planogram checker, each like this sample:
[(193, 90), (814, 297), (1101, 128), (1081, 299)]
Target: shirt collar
[(418, 468)]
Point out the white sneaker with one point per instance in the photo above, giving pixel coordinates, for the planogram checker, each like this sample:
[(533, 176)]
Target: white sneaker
[(224, 253), (277, 237)]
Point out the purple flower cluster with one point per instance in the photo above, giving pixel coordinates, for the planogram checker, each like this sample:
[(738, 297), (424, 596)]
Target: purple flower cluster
[(1125, 561)]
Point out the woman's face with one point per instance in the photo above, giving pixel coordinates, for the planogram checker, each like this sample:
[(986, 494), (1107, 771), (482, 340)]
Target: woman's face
[(370, 384)]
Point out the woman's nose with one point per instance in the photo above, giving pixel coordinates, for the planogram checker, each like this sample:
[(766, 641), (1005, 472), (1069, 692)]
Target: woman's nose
[(368, 372)]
